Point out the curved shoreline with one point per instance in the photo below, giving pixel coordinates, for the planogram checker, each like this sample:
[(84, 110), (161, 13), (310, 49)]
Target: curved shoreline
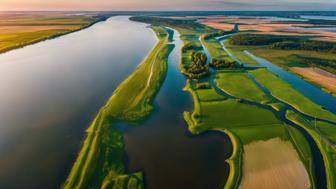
[(103, 147), (54, 36)]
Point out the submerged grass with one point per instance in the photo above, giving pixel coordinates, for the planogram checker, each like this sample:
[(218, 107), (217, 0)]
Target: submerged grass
[(100, 163)]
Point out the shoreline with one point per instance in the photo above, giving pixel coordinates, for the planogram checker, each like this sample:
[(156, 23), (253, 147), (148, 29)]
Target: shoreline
[(103, 146), (9, 49)]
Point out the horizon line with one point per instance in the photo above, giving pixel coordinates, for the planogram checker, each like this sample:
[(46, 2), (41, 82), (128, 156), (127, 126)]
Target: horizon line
[(168, 10)]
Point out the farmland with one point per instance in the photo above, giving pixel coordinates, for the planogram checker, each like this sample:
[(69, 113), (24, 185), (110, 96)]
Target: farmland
[(19, 30)]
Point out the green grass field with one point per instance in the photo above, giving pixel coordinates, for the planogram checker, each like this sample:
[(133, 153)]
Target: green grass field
[(243, 123), (238, 52), (294, 98), (100, 163), (238, 84), (215, 49)]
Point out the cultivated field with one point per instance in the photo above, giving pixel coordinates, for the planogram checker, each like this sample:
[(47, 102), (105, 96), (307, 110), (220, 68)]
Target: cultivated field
[(269, 25), (20, 29), (273, 164), (325, 79)]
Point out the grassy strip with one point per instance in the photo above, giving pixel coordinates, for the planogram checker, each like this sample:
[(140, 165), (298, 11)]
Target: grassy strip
[(131, 101), (238, 84), (235, 161), (325, 147), (215, 49), (238, 52), (100, 162), (302, 147), (277, 87)]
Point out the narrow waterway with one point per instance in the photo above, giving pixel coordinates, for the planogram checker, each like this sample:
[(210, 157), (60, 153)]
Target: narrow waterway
[(319, 167), (314, 93), (165, 151), (51, 91)]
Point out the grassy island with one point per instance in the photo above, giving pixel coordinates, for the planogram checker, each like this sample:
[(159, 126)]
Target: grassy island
[(100, 163)]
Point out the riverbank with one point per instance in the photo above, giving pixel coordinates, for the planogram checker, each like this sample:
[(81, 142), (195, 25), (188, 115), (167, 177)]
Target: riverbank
[(18, 31), (103, 148), (300, 62)]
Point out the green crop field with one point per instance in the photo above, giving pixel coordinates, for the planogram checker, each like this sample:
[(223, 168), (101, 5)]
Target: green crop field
[(238, 84), (276, 86)]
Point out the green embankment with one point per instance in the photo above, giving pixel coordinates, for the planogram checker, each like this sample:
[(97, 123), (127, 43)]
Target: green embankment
[(325, 145), (239, 53), (238, 84), (100, 163), (291, 96)]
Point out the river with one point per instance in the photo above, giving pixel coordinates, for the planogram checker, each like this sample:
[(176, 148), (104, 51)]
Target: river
[(51, 91), (165, 151)]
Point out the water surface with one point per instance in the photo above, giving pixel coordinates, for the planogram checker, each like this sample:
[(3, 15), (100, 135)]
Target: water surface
[(51, 91), (319, 17), (169, 156)]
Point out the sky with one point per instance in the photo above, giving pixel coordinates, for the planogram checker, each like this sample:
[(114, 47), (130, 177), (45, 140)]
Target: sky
[(167, 5)]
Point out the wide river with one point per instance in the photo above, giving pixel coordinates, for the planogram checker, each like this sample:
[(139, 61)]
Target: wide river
[(50, 92)]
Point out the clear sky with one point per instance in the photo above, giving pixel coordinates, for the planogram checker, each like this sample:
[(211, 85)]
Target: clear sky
[(167, 4)]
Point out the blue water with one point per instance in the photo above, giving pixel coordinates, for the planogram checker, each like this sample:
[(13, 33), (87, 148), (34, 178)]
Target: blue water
[(51, 91)]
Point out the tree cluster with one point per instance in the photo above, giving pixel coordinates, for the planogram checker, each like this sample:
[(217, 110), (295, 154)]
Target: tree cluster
[(222, 63), (199, 68)]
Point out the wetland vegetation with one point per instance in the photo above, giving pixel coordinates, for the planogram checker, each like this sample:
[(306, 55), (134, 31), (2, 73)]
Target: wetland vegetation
[(224, 108), (249, 104)]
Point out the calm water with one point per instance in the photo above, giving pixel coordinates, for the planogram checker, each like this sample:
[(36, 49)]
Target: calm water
[(51, 91), (169, 155)]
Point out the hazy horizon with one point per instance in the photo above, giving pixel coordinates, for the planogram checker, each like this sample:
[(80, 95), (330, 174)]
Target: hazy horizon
[(172, 5)]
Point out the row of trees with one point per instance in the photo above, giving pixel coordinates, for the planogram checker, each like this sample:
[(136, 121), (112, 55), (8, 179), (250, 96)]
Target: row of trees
[(222, 63), (310, 45), (283, 42)]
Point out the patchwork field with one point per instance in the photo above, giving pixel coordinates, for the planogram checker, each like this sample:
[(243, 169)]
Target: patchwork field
[(270, 25), (21, 29)]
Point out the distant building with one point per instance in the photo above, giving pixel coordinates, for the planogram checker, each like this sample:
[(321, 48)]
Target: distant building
[(236, 28)]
